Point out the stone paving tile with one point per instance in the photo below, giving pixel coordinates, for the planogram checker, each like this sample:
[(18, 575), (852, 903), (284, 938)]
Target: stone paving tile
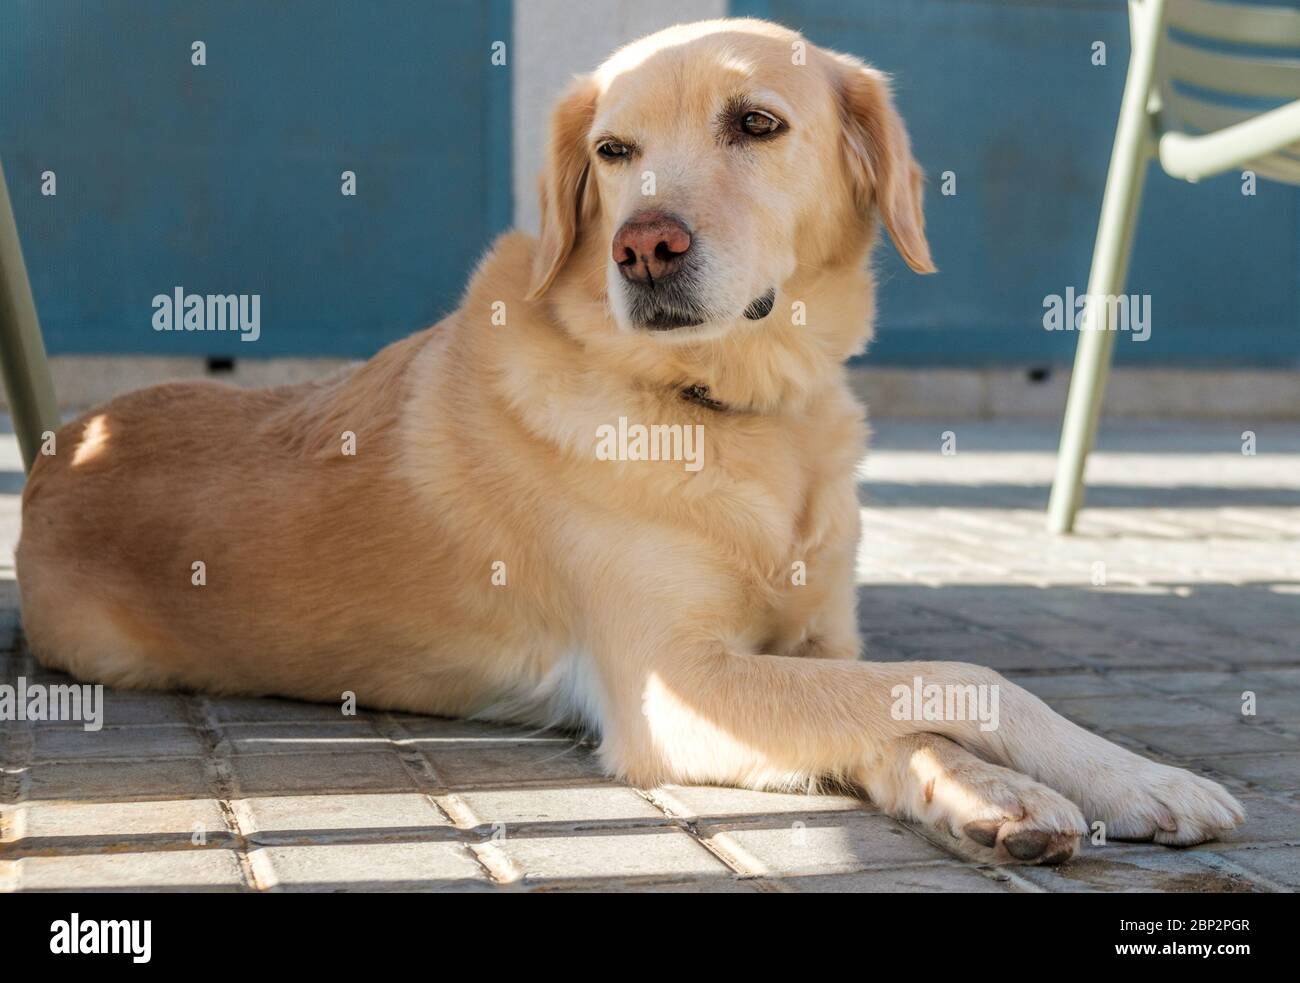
[(985, 649), (1279, 652), (119, 781), (901, 880), (818, 843), (1121, 711), (717, 803), (1271, 770), (1276, 706), (298, 819), (1215, 683), (250, 711), (1142, 869), (1072, 685), (170, 870), (645, 855), (304, 738), (721, 884), (1197, 742), (70, 825), (369, 867), (71, 744), (297, 774), (1280, 865), (1130, 655), (1284, 678), (563, 761), (430, 733), (1201, 560), (877, 613), (126, 709), (587, 806), (1268, 820)]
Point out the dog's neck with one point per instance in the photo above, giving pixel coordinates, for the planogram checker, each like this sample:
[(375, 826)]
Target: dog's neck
[(766, 367)]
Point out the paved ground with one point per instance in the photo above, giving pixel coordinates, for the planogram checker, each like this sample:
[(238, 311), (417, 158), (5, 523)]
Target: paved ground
[(1180, 593)]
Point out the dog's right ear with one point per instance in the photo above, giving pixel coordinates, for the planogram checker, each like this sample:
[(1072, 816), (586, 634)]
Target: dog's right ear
[(880, 159), (567, 197)]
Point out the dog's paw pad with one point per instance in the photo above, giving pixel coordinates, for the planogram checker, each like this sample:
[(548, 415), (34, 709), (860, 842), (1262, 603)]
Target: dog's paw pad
[(1029, 844), (983, 831), (1044, 828)]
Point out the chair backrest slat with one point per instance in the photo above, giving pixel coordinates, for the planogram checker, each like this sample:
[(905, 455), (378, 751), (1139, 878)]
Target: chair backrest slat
[(1197, 115), (1206, 117), (1237, 23), (1243, 75), (1220, 64), (1276, 167)]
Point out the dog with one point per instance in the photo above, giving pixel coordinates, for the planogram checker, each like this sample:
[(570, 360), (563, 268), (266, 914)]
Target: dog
[(614, 491)]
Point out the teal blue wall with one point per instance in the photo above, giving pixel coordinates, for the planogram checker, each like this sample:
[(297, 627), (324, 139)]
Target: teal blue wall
[(225, 178), (1004, 94)]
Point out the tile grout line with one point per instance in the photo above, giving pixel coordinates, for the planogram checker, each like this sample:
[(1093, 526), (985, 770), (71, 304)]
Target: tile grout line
[(15, 772), (1219, 862), (496, 866), (225, 786), (733, 863)]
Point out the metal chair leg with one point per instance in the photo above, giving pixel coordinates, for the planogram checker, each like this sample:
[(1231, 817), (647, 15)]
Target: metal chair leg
[(1134, 144), (22, 351)]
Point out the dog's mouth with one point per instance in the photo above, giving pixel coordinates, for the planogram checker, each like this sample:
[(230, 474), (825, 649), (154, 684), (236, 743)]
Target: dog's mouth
[(670, 320), (665, 305), (670, 310)]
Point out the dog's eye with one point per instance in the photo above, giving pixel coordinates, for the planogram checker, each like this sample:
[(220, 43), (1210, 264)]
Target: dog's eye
[(759, 124), (613, 150)]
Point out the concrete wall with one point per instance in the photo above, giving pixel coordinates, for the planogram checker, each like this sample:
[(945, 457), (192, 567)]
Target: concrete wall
[(83, 381)]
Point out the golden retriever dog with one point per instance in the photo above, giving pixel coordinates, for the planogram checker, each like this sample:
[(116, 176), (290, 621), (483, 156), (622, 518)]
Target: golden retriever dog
[(614, 491)]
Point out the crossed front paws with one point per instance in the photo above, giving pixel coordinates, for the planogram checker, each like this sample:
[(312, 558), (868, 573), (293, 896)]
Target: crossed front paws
[(994, 814)]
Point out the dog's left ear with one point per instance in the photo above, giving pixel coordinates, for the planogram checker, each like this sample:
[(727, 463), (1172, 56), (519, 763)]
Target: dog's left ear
[(567, 200), (880, 159)]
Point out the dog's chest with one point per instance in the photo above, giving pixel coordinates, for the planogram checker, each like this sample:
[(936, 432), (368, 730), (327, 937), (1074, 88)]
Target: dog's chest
[(566, 694)]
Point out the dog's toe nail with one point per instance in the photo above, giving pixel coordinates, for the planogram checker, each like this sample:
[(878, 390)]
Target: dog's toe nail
[(1029, 844), (983, 831)]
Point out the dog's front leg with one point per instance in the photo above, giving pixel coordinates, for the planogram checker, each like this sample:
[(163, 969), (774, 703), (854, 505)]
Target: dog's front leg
[(697, 710), (707, 714)]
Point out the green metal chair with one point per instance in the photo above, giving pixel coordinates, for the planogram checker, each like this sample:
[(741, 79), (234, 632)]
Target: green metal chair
[(1178, 47), (22, 352)]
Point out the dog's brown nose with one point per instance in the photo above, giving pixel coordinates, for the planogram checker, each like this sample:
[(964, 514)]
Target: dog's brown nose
[(651, 246)]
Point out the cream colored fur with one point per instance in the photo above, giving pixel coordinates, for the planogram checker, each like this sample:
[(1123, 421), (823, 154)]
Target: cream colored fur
[(651, 605)]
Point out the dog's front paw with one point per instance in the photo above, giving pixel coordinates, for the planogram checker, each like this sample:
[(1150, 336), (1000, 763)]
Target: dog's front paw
[(985, 812), (1005, 817), (1137, 799)]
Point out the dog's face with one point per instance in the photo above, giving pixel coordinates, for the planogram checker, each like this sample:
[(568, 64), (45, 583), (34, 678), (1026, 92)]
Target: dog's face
[(699, 169)]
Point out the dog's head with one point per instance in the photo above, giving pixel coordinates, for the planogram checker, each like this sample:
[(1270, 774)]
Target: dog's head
[(698, 170)]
